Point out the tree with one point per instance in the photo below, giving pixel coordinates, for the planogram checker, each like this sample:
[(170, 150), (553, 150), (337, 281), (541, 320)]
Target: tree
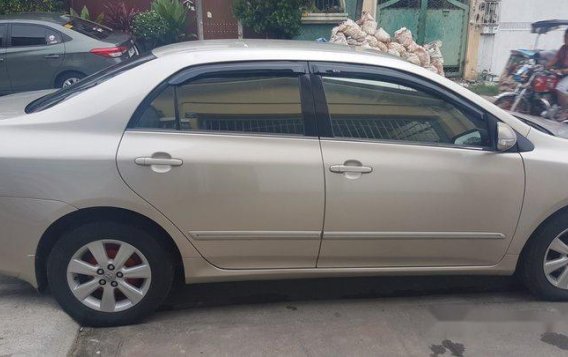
[(275, 18)]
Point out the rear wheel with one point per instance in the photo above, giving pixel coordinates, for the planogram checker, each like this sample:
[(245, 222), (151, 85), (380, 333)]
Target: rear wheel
[(545, 261), (67, 79), (108, 274)]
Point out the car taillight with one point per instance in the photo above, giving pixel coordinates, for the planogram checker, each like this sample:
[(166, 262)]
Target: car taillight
[(110, 52)]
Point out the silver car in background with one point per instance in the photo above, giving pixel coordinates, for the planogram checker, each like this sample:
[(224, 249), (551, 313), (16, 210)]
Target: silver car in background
[(42, 51), (240, 160)]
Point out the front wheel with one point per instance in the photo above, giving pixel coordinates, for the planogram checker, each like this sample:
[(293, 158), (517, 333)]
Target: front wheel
[(109, 274), (544, 267), (506, 102)]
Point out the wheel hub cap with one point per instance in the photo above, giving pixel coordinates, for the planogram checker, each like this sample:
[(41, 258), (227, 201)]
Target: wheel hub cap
[(109, 275), (555, 263)]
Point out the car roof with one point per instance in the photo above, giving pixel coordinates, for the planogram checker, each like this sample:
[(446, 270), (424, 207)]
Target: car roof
[(246, 45), (54, 18)]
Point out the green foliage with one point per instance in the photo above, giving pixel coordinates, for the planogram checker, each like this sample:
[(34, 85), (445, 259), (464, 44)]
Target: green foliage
[(150, 27), (275, 18), (488, 89), (19, 6), (174, 12), (86, 15)]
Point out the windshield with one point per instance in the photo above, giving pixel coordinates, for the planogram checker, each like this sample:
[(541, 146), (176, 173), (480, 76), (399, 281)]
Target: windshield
[(88, 28), (91, 81)]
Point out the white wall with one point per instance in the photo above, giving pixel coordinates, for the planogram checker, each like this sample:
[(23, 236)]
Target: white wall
[(514, 31)]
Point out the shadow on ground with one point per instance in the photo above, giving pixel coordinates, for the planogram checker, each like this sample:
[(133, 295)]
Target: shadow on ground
[(257, 292)]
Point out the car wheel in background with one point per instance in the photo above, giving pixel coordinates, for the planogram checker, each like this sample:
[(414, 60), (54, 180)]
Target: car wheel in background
[(109, 274), (67, 79), (544, 265)]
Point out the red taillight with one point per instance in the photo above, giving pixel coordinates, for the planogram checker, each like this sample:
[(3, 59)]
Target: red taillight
[(540, 84), (110, 52)]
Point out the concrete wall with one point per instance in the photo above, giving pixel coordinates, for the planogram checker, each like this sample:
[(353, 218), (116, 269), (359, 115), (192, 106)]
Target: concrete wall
[(515, 19)]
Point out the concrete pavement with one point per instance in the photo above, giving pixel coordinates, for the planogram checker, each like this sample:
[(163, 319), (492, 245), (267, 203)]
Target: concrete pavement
[(387, 316), (395, 316), (32, 324)]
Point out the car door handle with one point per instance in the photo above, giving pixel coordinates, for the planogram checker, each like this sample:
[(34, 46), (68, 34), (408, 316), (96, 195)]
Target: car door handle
[(54, 56), (340, 169), (149, 161)]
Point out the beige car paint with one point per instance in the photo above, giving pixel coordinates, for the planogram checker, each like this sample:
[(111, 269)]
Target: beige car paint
[(67, 154), (421, 206), (270, 187)]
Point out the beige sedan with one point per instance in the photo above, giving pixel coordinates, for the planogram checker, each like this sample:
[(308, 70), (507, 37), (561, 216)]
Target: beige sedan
[(239, 160)]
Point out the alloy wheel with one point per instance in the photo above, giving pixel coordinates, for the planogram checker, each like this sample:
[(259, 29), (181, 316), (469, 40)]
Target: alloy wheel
[(70, 81), (556, 261), (109, 275)]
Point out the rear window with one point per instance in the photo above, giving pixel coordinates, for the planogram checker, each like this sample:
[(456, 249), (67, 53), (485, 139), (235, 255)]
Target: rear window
[(91, 81), (88, 28)]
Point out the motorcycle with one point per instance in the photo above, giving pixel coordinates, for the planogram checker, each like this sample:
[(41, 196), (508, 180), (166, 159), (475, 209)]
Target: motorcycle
[(535, 93)]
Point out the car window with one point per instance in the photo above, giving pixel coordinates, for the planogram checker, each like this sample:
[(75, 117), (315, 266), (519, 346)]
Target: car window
[(380, 110), (241, 103), (2, 35), (33, 35), (88, 28), (91, 81)]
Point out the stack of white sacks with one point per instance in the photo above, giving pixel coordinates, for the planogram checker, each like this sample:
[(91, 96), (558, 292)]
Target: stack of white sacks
[(366, 33)]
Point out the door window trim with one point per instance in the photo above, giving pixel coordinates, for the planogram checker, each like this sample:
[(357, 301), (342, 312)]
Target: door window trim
[(333, 69), (276, 68)]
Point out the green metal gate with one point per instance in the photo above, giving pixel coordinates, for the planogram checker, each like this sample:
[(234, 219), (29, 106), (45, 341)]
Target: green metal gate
[(430, 20)]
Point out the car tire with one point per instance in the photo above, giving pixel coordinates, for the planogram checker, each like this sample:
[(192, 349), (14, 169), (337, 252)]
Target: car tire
[(149, 260), (68, 78), (541, 256)]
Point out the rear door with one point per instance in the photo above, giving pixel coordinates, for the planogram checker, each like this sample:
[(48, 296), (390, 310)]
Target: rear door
[(4, 80), (412, 177), (34, 55), (230, 154)]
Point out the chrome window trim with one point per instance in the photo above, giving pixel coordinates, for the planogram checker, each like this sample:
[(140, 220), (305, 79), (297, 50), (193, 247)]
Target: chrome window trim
[(216, 133), (407, 143)]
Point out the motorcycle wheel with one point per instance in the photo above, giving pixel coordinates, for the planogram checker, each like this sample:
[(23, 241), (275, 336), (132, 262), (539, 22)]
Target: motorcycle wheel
[(506, 103)]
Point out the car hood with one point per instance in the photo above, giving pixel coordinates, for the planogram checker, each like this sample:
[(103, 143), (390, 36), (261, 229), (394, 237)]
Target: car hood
[(556, 128), (15, 104)]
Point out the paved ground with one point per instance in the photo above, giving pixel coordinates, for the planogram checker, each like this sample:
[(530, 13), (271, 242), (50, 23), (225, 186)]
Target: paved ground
[(428, 316), (32, 324), (397, 316)]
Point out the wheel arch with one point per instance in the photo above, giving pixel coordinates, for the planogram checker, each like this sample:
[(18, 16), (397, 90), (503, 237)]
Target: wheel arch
[(559, 212), (94, 214)]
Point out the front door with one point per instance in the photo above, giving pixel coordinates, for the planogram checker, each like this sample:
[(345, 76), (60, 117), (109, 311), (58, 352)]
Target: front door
[(4, 80), (411, 176), (34, 57), (236, 164)]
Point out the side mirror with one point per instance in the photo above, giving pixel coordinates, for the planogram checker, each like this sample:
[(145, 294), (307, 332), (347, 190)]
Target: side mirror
[(506, 137), (473, 137)]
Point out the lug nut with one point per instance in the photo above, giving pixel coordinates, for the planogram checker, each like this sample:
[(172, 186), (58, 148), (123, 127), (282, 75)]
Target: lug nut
[(102, 282), (110, 267), (100, 271), (114, 284), (119, 275)]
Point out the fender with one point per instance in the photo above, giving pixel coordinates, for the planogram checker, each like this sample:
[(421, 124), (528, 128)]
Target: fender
[(505, 95)]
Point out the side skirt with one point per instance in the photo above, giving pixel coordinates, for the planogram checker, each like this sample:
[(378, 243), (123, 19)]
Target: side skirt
[(198, 270)]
